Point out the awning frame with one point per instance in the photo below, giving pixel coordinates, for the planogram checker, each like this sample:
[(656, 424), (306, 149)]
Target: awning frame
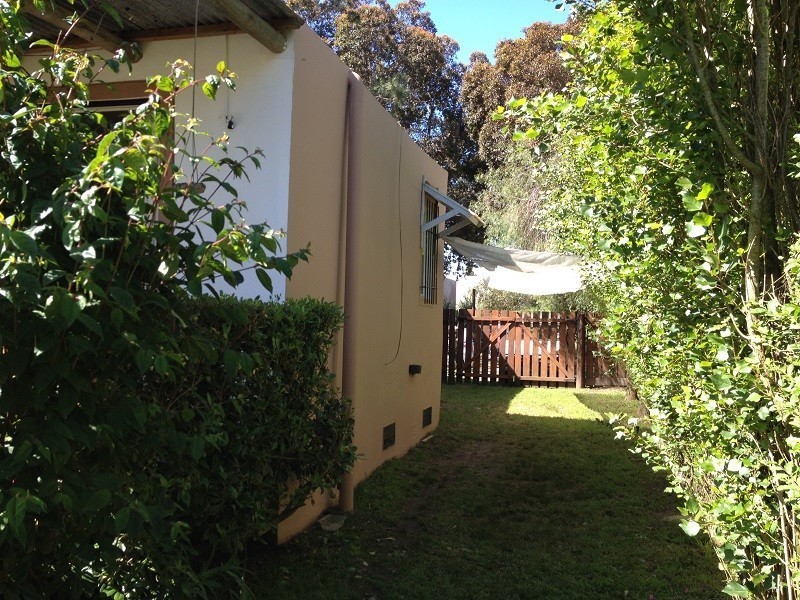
[(454, 210)]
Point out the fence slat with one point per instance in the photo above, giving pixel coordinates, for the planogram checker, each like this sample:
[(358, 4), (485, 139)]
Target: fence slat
[(460, 349)]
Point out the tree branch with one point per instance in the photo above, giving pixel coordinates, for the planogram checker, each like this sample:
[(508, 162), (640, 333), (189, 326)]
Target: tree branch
[(722, 129)]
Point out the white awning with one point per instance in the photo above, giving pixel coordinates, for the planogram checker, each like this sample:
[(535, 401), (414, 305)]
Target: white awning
[(523, 271)]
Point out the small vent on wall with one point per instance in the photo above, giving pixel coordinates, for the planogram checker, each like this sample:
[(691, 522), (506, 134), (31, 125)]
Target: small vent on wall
[(427, 416), (388, 436)]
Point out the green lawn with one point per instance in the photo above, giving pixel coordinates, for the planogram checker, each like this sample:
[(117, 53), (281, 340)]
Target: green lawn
[(520, 493)]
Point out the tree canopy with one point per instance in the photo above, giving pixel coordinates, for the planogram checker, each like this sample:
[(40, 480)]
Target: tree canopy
[(525, 67)]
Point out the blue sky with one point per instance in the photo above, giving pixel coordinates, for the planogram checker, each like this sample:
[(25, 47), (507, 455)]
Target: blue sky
[(480, 24)]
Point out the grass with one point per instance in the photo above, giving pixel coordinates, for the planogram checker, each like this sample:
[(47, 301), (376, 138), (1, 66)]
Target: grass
[(520, 493)]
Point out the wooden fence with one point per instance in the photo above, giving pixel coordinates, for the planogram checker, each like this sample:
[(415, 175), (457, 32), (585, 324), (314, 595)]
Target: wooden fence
[(482, 346)]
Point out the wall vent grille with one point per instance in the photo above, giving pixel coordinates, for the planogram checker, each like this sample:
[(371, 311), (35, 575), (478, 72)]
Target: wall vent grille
[(427, 416), (388, 436)]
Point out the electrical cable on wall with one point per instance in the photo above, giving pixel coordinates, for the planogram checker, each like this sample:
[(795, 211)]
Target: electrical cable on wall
[(228, 117), (194, 88), (400, 228)]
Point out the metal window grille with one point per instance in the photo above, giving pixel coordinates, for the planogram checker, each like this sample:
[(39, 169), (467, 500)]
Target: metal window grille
[(430, 254)]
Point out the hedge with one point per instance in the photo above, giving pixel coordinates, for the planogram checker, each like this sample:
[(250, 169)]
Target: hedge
[(228, 446)]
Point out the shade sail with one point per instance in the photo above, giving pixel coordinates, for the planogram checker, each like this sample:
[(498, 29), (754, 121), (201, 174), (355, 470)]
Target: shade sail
[(523, 271)]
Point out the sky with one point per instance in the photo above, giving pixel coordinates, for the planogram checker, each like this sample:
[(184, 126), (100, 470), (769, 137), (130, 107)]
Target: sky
[(480, 24)]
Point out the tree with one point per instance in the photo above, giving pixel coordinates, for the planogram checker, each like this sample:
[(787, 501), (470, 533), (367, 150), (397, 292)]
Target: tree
[(321, 15), (667, 165), (525, 67)]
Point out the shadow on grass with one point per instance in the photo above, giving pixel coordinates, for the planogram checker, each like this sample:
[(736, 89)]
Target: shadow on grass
[(520, 494)]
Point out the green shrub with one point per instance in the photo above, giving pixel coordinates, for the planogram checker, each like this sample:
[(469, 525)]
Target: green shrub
[(121, 471), (700, 308), (246, 431), (260, 406)]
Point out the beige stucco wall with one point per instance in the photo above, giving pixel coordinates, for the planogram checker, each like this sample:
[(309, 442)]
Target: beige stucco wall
[(365, 240)]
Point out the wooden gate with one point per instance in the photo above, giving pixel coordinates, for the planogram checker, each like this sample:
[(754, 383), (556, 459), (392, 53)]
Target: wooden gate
[(482, 346)]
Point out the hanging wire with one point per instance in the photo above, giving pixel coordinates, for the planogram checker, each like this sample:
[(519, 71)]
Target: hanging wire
[(228, 116), (400, 228), (194, 89)]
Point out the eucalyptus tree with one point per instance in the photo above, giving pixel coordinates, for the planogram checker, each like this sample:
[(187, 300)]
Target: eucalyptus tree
[(524, 68), (414, 72), (321, 15)]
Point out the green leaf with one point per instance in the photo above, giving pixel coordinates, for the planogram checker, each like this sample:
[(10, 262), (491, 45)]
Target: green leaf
[(124, 299), (165, 84), (221, 67), (10, 59), (143, 359), (705, 191), (734, 588), (24, 242), (98, 500), (15, 513), (721, 381), (197, 447), (265, 279), (684, 183), (122, 518), (702, 219), (210, 86), (161, 365), (691, 204), (217, 221), (230, 361), (691, 528), (26, 281), (694, 231), (91, 324)]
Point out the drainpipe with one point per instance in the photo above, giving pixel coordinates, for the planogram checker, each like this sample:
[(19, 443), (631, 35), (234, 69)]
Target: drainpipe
[(349, 250)]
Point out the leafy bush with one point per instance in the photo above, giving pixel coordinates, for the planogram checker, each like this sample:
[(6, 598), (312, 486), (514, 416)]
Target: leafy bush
[(265, 424), (699, 297), (249, 428), (120, 471)]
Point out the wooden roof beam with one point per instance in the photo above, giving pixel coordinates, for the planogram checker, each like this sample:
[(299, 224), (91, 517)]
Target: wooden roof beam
[(90, 32), (240, 14)]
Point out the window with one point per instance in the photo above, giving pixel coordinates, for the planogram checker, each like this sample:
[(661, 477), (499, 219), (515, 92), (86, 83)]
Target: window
[(430, 254), (459, 216), (117, 100)]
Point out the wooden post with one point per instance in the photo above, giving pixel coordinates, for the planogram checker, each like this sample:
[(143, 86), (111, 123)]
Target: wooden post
[(243, 16), (87, 31), (580, 335)]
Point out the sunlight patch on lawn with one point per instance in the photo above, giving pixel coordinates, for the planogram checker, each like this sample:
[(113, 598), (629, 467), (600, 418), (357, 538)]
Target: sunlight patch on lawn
[(550, 403)]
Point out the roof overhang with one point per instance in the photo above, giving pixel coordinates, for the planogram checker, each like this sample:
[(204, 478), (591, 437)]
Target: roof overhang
[(454, 209), (126, 23)]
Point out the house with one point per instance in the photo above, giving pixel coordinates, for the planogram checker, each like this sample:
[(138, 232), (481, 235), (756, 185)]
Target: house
[(339, 173)]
